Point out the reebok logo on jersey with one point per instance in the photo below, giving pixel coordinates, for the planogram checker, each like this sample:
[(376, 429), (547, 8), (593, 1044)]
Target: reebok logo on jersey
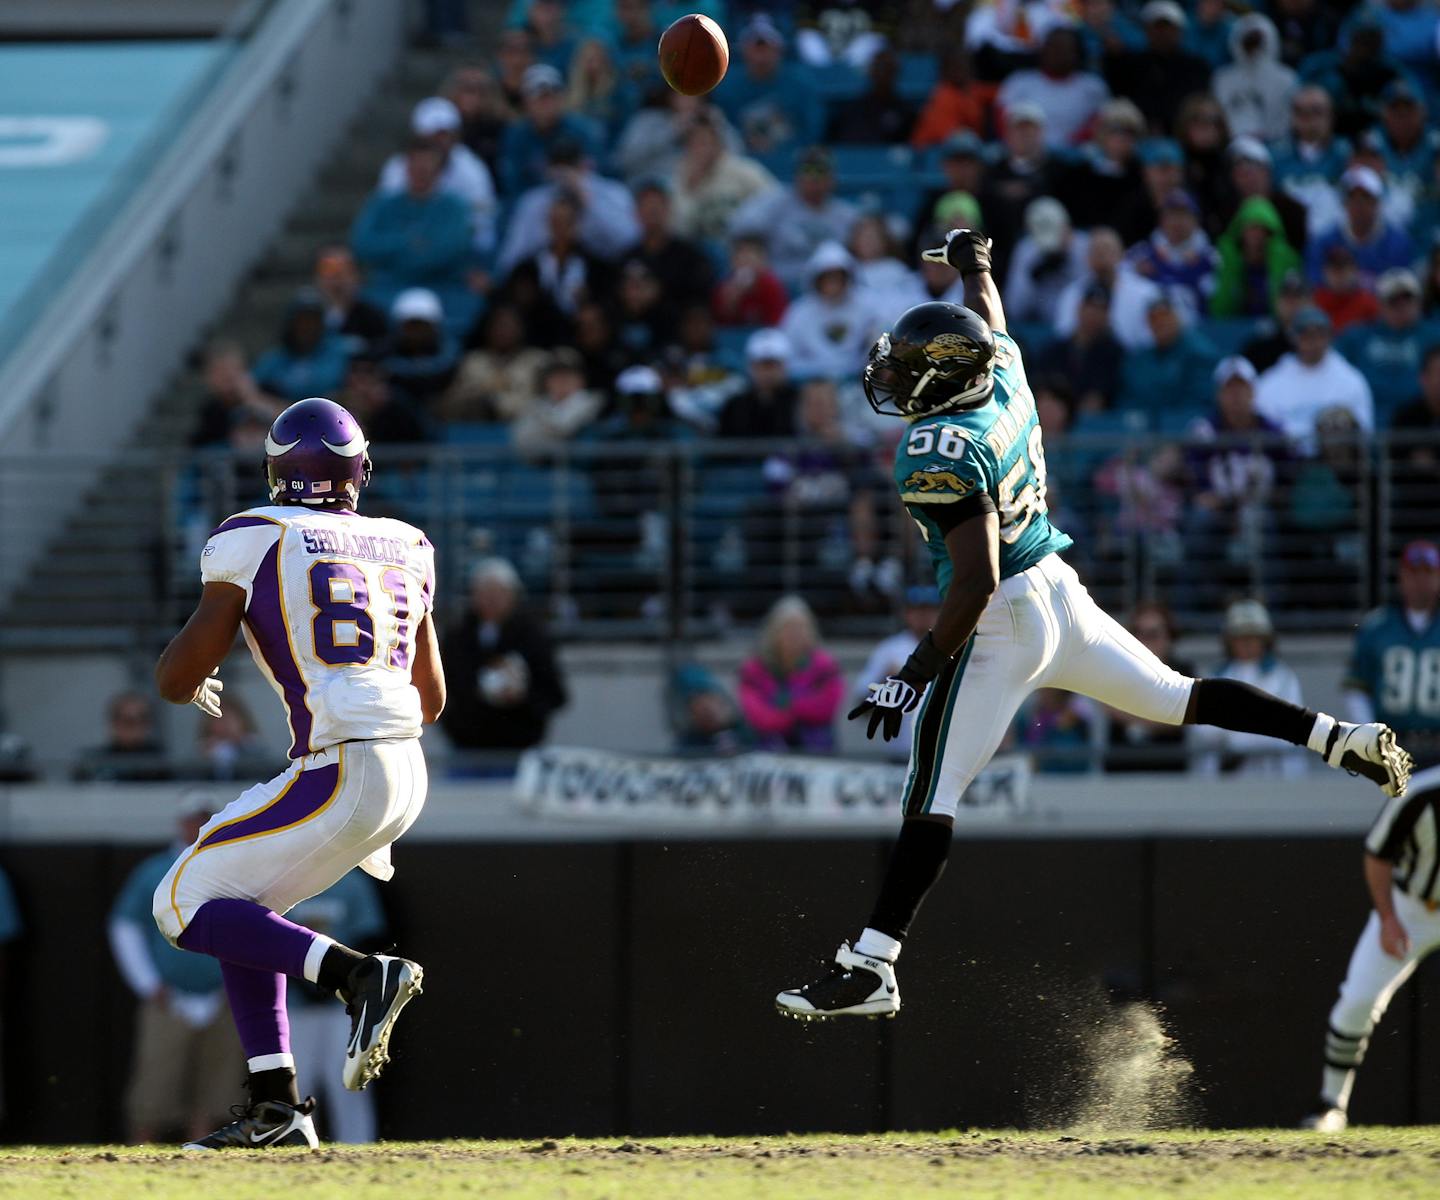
[(938, 479)]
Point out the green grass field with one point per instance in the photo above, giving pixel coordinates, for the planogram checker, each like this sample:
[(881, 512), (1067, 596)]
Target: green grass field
[(1375, 1162)]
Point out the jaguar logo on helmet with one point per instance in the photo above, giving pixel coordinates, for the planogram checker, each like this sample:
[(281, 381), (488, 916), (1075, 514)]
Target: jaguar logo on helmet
[(950, 345), (937, 357)]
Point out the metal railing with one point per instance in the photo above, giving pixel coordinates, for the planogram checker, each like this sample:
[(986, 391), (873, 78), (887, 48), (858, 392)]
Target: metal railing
[(679, 541)]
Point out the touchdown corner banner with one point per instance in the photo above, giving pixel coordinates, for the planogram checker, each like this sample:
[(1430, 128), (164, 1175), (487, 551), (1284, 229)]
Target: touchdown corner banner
[(746, 790)]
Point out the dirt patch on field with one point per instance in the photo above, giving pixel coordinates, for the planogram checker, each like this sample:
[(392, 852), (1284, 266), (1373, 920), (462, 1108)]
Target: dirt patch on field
[(1038, 1148)]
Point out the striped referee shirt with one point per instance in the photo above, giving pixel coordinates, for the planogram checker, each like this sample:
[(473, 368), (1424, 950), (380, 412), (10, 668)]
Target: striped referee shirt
[(1407, 833)]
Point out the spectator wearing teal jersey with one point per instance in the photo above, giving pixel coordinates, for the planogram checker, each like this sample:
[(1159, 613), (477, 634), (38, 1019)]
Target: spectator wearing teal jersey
[(1171, 375), (349, 912), (553, 29), (527, 145), (1354, 74), (1308, 161), (1408, 27), (636, 36), (1388, 351), (773, 105), (1405, 142), (1208, 36), (1394, 670), (309, 360), (420, 237), (186, 1055)]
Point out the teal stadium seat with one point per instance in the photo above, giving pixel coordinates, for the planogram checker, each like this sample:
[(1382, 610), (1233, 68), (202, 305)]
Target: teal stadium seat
[(919, 73)]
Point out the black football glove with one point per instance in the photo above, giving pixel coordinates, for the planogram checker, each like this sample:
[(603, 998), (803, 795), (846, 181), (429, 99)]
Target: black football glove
[(892, 698), (967, 250)]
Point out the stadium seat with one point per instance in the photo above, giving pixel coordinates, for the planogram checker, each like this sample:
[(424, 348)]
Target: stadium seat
[(475, 433), (730, 345), (837, 81), (918, 75)]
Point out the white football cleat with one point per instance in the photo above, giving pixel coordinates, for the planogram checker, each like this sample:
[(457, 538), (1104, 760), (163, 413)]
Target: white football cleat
[(1327, 1120), (378, 988), (853, 986), (1372, 751)]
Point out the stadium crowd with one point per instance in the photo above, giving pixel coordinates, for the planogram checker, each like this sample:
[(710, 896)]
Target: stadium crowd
[(1217, 230), (1213, 225)]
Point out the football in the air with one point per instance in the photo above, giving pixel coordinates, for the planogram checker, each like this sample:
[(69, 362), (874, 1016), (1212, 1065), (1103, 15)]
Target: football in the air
[(694, 55)]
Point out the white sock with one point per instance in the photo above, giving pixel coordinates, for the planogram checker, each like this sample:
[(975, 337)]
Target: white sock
[(316, 955), (270, 1062), (1337, 1086), (874, 944), (1320, 733)]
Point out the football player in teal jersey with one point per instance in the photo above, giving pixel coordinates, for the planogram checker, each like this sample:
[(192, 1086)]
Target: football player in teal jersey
[(1014, 616), (1394, 673)]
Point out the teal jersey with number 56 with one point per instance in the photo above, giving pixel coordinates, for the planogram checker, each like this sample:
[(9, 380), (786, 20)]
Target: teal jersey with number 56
[(995, 448)]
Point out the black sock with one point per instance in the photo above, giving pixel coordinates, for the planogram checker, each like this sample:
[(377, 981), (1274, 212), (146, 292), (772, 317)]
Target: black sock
[(277, 1084), (336, 966), (1229, 704), (916, 864)]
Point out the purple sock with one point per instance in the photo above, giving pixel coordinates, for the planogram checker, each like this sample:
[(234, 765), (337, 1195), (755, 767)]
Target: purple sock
[(257, 1002), (248, 935)]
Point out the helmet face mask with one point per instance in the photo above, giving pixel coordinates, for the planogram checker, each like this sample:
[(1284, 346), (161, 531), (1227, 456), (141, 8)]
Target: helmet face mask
[(938, 357), (316, 455)]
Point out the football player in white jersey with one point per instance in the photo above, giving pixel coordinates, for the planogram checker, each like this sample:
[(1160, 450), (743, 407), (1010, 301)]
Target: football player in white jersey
[(336, 609)]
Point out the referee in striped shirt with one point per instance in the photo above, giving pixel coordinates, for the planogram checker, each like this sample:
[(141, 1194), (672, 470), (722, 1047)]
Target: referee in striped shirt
[(1402, 871)]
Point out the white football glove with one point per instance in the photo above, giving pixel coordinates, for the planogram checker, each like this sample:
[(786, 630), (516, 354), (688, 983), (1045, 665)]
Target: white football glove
[(207, 695), (967, 250)]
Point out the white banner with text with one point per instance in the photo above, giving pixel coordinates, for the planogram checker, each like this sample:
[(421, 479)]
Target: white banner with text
[(749, 789)]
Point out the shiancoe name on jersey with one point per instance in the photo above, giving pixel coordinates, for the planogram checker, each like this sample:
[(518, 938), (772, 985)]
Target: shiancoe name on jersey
[(369, 547)]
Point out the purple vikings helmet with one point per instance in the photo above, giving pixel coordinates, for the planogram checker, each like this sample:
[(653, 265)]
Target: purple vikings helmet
[(315, 453)]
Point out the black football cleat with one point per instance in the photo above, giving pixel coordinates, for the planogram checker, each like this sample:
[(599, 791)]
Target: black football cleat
[(265, 1125), (853, 986), (377, 989)]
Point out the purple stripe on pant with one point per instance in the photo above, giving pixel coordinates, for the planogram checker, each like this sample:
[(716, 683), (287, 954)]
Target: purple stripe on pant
[(257, 948), (302, 798), (265, 617)]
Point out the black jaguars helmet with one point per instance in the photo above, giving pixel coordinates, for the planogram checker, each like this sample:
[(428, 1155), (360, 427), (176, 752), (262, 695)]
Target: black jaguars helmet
[(939, 356)]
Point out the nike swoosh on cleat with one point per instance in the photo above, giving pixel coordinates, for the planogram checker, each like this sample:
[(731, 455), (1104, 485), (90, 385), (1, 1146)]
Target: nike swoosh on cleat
[(359, 1030)]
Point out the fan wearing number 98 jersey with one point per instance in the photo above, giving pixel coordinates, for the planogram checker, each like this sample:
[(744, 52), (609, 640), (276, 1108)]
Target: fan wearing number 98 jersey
[(335, 607)]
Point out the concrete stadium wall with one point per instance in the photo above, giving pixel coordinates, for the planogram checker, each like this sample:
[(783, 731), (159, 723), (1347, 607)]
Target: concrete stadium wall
[(624, 987)]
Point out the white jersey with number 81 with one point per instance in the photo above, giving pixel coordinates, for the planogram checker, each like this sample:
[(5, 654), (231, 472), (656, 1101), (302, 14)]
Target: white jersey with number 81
[(332, 601)]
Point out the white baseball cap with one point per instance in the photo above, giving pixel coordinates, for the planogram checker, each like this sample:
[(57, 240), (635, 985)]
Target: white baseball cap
[(417, 304), (1164, 10), (1364, 178), (435, 114), (768, 345), (1248, 617), (1047, 222), (541, 77), (639, 381), (1236, 366), (1250, 149)]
